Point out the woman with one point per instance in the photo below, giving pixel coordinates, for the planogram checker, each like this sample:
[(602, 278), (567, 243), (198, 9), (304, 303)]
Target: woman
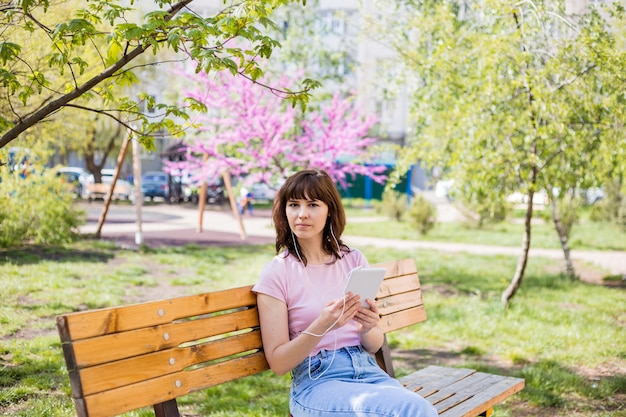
[(307, 325)]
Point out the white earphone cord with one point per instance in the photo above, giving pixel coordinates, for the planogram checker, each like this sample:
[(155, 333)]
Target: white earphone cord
[(343, 309)]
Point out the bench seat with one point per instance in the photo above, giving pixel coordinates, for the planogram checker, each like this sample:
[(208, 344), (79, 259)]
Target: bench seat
[(461, 392)]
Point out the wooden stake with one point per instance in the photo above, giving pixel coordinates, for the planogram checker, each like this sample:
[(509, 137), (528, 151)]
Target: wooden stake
[(202, 198), (233, 203), (109, 196)]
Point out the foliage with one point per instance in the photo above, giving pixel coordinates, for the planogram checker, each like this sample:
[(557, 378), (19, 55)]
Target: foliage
[(422, 214), (485, 211), (250, 132), (513, 98), (83, 50), (37, 208), (393, 204), (329, 58), (612, 207)]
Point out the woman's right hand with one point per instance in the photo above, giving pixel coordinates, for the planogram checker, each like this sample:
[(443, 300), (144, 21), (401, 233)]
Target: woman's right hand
[(339, 312)]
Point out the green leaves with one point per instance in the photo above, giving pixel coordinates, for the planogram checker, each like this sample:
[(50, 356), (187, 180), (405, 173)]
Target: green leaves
[(9, 51), (131, 31), (84, 50), (76, 30), (114, 50)]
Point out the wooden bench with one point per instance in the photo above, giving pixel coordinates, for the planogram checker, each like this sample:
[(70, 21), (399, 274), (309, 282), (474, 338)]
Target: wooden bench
[(148, 354)]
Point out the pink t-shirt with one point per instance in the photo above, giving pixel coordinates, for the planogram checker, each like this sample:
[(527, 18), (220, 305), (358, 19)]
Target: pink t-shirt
[(306, 292)]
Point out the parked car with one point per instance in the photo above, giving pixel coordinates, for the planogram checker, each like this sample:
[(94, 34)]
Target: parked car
[(155, 184), (80, 179), (214, 192), (122, 191), (188, 190), (262, 192)]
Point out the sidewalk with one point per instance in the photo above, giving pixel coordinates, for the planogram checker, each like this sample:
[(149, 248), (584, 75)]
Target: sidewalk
[(169, 225)]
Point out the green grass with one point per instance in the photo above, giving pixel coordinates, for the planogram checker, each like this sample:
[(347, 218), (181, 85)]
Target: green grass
[(585, 236), (555, 334)]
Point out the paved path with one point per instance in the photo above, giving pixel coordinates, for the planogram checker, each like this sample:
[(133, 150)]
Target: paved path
[(178, 225)]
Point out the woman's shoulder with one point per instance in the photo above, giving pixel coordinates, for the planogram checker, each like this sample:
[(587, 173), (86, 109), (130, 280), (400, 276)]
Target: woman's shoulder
[(280, 261), (355, 256)]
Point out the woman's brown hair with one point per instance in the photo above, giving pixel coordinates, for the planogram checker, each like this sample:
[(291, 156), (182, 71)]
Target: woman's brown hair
[(310, 184)]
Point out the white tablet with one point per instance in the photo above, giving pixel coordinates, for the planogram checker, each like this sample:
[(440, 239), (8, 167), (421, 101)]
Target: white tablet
[(365, 282)]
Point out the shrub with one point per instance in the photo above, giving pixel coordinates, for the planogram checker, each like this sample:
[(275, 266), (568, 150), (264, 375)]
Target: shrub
[(485, 212), (393, 204), (609, 208), (37, 208), (422, 214), (492, 212)]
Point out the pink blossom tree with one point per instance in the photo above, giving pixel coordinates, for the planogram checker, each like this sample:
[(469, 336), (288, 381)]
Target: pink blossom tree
[(252, 132)]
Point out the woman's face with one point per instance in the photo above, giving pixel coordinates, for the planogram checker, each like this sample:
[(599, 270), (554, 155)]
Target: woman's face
[(307, 218)]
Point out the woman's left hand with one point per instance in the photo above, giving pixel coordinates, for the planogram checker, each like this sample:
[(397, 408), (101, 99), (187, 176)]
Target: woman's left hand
[(368, 318)]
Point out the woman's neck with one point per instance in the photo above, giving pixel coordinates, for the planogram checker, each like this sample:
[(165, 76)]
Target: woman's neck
[(314, 252)]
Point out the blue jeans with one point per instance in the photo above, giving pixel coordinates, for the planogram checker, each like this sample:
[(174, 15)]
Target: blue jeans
[(352, 385)]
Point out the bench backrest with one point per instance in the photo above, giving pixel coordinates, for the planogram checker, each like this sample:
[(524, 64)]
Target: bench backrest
[(123, 358)]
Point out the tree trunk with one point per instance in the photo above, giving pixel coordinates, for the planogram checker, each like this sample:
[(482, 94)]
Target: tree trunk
[(558, 225), (92, 149), (516, 282)]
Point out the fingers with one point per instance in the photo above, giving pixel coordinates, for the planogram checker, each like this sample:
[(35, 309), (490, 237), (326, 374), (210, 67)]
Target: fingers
[(368, 318), (349, 307)]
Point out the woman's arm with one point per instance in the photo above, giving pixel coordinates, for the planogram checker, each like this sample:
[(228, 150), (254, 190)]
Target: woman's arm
[(283, 354)]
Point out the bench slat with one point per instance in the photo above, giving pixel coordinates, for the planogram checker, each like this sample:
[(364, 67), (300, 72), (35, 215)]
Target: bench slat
[(487, 396), (97, 350), (86, 324), (398, 268), (432, 378), (157, 390), (395, 303), (460, 392), (456, 393), (398, 285), (402, 319), (129, 371)]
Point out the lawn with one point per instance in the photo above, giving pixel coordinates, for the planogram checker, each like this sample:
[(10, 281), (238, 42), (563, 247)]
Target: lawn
[(566, 338), (585, 235)]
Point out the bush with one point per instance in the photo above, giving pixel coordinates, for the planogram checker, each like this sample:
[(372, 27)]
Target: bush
[(607, 209), (485, 212), (37, 208), (393, 204), (422, 214)]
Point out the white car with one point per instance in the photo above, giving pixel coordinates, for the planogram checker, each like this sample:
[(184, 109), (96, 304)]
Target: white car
[(79, 177), (123, 189)]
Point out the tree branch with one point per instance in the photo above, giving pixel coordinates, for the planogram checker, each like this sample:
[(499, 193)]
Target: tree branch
[(105, 113), (573, 80), (55, 105)]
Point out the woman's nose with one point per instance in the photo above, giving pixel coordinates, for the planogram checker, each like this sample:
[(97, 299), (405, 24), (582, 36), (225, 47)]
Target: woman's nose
[(302, 213)]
